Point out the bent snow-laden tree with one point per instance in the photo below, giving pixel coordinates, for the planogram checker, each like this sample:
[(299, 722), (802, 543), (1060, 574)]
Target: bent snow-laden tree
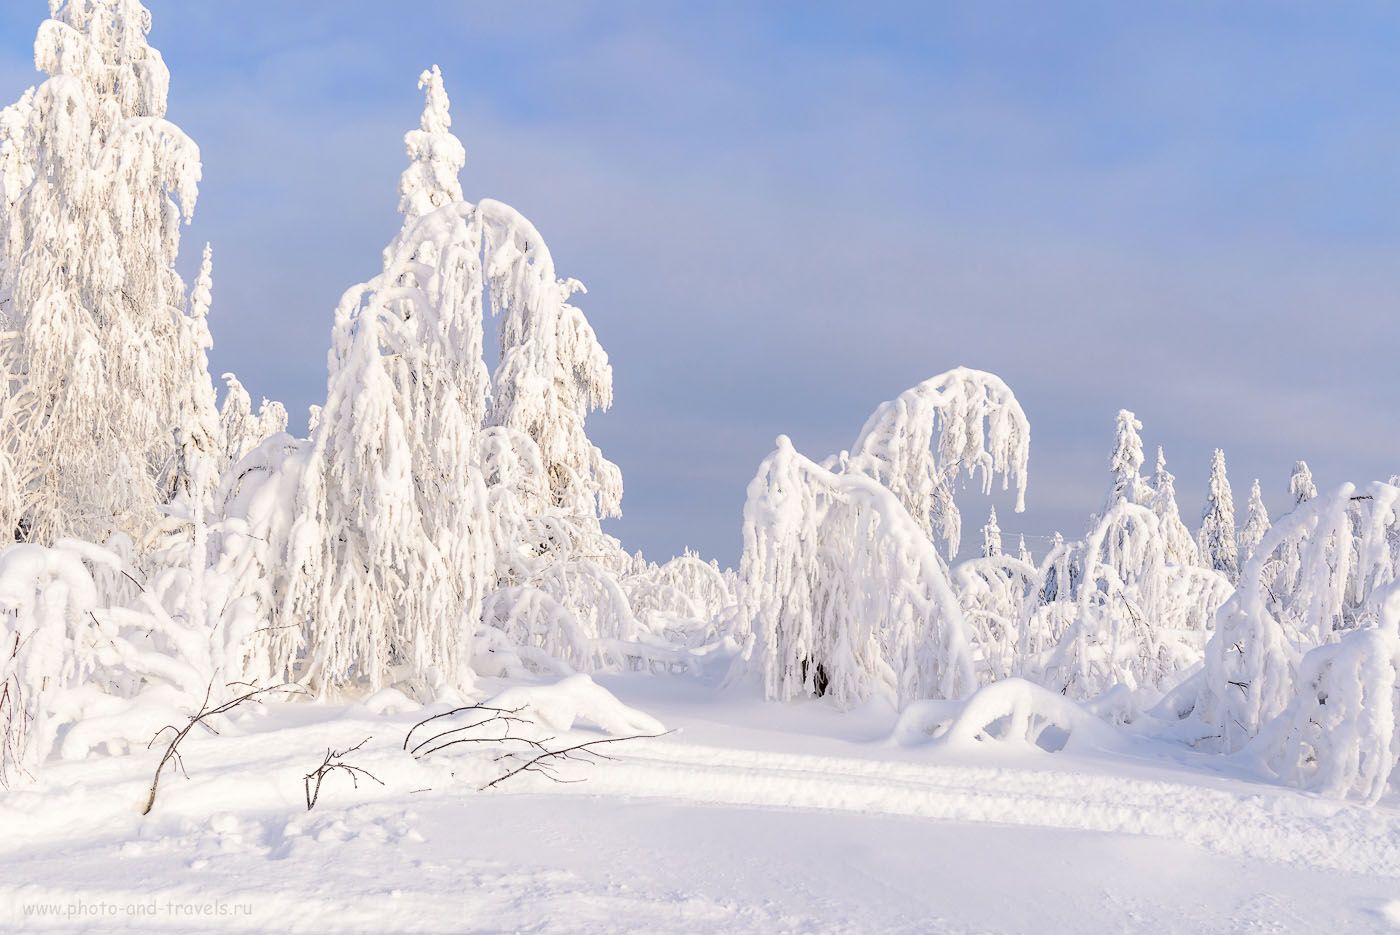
[(963, 422), (842, 591), (98, 184)]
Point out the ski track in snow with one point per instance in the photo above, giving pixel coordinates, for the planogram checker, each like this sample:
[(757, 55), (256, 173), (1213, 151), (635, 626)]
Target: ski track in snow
[(1293, 829)]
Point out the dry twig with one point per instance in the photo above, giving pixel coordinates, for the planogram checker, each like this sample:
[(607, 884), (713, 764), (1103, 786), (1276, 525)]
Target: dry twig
[(537, 757), (334, 761)]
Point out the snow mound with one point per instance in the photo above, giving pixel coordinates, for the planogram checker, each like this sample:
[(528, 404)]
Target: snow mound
[(1010, 711), (576, 698)]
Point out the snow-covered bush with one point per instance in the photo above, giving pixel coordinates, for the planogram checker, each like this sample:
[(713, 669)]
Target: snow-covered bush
[(77, 674), (46, 598), (1310, 580), (1338, 735)]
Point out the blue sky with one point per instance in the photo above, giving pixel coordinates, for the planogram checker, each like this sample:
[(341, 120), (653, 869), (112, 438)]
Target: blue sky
[(788, 212)]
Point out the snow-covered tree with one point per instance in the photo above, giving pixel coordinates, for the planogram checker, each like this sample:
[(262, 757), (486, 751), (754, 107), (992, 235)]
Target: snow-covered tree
[(240, 429), (96, 314), (991, 537), (993, 592), (1177, 539), (963, 422), (272, 419), (683, 595), (1023, 553), (1256, 523), (1217, 540), (1300, 485)]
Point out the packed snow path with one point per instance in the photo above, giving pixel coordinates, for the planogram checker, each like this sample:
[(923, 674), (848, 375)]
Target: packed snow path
[(752, 818)]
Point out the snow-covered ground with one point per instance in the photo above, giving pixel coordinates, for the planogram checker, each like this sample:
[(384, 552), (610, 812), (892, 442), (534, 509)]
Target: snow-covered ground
[(750, 817)]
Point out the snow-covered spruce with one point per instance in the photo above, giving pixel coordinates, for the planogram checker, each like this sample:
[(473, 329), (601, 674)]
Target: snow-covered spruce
[(1217, 541), (1256, 523), (1180, 545), (1126, 463)]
